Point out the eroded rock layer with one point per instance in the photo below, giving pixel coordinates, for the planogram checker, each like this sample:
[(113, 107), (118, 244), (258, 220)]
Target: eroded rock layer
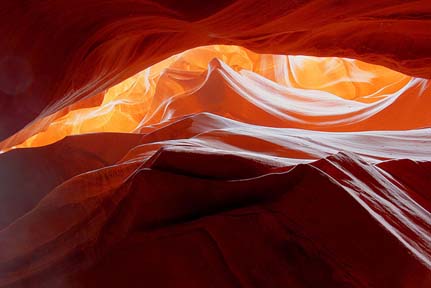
[(219, 166), (58, 51)]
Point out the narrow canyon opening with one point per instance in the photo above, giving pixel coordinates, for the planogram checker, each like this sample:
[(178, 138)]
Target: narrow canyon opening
[(314, 93)]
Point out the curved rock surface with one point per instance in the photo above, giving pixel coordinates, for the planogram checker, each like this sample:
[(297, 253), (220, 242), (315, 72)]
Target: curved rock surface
[(211, 200), (57, 52), (219, 166)]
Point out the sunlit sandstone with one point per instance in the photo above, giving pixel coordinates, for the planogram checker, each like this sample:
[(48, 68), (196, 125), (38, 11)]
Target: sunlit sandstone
[(145, 98), (218, 166)]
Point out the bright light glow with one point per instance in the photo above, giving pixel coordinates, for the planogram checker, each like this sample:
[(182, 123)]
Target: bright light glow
[(281, 85)]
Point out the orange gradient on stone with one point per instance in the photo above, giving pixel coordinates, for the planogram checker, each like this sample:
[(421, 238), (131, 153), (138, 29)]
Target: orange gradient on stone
[(171, 89)]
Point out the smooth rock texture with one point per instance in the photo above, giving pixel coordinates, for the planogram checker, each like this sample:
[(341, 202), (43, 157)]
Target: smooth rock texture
[(219, 166), (56, 52)]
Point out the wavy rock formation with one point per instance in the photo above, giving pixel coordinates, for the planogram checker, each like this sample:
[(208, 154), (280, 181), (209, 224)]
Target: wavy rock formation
[(327, 94), (56, 52), (218, 166)]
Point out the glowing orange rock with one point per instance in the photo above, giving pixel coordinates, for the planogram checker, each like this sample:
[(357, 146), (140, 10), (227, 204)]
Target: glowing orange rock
[(62, 57), (181, 85), (241, 169)]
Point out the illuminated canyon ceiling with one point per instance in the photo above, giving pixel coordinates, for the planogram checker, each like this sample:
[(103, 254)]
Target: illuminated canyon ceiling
[(237, 143)]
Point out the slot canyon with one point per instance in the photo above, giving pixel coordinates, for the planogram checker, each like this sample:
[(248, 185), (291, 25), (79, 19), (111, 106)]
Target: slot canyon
[(229, 143)]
